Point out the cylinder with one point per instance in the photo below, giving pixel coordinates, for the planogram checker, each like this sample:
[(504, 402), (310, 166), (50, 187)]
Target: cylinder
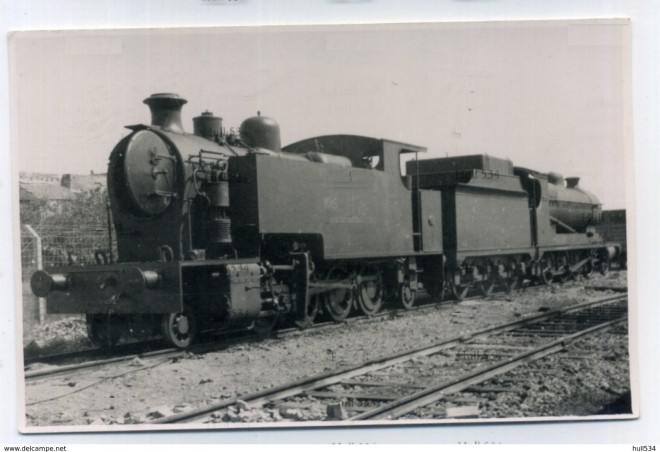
[(207, 126)]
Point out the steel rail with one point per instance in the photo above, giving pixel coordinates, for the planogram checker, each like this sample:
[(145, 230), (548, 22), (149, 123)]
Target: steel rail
[(336, 376), (218, 345), (416, 400), (275, 334), (39, 374), (606, 288), (199, 348), (206, 347), (29, 359)]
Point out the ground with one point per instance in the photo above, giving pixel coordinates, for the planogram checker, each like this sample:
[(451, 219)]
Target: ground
[(127, 393)]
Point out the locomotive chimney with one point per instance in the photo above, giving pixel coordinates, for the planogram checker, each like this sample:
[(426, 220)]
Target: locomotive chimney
[(572, 182), (166, 111)]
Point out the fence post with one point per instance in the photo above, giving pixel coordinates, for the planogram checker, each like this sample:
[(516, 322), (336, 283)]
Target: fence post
[(40, 266)]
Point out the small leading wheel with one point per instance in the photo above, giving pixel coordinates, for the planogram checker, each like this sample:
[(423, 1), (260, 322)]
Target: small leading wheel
[(265, 323), (459, 291), (370, 295), (310, 313), (337, 303), (179, 329), (103, 330), (406, 296)]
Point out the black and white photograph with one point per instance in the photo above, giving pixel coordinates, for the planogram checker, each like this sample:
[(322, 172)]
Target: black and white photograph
[(324, 225)]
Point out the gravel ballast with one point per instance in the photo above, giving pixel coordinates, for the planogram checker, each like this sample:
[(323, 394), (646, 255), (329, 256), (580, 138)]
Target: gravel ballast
[(146, 391)]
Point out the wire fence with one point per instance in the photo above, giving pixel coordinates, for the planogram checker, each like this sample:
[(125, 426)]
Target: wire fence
[(61, 245), (56, 244)]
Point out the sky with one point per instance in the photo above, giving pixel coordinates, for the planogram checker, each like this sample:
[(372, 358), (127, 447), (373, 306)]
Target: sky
[(552, 96)]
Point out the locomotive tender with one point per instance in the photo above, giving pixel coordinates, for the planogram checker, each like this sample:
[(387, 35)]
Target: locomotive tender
[(219, 230)]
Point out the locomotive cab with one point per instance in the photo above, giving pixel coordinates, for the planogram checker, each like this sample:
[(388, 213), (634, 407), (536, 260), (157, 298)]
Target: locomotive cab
[(361, 152)]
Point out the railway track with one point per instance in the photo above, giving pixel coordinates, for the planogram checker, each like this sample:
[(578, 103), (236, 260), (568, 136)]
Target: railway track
[(392, 386), (95, 358), (153, 349), (93, 353), (130, 350)]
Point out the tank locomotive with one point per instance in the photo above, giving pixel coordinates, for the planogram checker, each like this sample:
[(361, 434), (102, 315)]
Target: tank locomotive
[(219, 230)]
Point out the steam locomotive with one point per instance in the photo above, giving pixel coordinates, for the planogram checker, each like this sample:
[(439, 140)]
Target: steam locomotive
[(225, 230)]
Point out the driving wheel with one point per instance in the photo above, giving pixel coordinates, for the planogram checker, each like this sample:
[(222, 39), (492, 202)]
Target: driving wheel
[(459, 291), (406, 296), (486, 287), (337, 303), (370, 294), (511, 283)]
